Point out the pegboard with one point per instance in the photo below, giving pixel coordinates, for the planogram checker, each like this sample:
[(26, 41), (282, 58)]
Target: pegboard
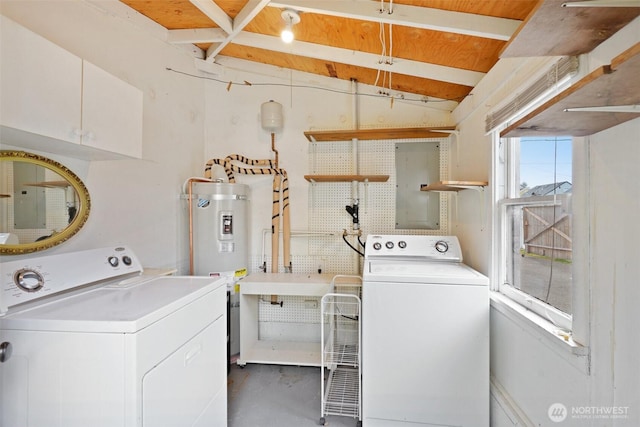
[(324, 262), (327, 201), (327, 252), (297, 319), (294, 309)]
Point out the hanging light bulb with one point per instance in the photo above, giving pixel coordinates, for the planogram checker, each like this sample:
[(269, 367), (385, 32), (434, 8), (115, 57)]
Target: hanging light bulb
[(287, 34), (290, 18)]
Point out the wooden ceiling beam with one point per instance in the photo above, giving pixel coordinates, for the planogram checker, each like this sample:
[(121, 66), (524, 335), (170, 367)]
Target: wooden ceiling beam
[(196, 35), (215, 13), (244, 17), (409, 16), (360, 59)]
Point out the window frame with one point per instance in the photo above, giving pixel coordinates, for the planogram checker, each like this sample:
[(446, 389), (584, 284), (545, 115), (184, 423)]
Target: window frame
[(573, 346), (573, 341)]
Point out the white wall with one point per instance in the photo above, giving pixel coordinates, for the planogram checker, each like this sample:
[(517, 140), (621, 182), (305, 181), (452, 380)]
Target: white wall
[(529, 370), (134, 202), (533, 372), (614, 271), (232, 126)]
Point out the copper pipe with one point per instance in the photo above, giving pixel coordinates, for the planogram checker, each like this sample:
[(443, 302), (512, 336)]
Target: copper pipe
[(273, 148), (190, 201)]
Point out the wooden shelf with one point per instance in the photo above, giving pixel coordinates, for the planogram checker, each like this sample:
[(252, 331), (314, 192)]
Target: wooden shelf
[(346, 178), (378, 134), (454, 185), (611, 85), (48, 184), (553, 30)]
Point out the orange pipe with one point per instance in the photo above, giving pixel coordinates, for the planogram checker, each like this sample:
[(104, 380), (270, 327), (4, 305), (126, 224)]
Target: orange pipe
[(273, 148)]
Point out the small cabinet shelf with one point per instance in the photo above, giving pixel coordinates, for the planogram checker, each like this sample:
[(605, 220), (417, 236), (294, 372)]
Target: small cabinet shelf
[(454, 186), (378, 134)]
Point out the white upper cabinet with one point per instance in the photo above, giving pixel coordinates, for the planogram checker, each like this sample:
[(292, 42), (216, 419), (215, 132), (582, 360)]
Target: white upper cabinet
[(53, 101), (41, 84)]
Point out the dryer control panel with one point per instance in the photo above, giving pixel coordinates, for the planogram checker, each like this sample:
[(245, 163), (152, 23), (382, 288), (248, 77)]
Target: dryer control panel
[(434, 248), (35, 278)]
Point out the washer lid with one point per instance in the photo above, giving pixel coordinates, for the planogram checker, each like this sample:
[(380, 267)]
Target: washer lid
[(119, 308), (453, 273)]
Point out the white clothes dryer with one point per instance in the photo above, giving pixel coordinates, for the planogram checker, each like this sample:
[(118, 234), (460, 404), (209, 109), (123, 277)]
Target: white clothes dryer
[(87, 340)]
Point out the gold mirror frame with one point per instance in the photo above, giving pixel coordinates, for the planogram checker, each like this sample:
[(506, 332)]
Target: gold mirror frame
[(78, 221)]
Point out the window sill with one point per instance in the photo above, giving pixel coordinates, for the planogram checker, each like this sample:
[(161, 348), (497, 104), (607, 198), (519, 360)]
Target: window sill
[(546, 332)]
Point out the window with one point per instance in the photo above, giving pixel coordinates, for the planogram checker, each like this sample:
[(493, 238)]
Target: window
[(536, 225)]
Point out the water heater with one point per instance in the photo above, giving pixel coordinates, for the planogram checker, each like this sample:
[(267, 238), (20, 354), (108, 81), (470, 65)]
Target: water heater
[(220, 229), (220, 242)]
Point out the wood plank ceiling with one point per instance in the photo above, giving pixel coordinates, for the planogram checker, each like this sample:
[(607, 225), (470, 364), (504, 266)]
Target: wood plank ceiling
[(430, 49), (435, 48)]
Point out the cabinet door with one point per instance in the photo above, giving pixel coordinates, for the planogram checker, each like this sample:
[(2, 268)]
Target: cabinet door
[(40, 84), (111, 113)]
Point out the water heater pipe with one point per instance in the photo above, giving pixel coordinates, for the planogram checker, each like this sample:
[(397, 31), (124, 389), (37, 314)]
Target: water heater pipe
[(190, 182), (280, 187), (273, 147)]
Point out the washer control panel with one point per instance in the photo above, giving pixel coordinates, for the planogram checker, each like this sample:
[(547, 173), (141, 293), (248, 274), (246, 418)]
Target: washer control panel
[(34, 278), (436, 248)]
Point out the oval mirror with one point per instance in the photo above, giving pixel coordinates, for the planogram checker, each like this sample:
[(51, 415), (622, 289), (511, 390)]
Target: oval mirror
[(42, 203)]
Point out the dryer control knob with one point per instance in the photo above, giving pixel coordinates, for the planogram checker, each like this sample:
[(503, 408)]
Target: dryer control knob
[(377, 246), (402, 244), (389, 245), (28, 280), (113, 261)]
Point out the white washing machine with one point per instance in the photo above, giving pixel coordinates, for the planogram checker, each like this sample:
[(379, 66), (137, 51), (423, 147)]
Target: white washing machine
[(425, 335), (87, 340)]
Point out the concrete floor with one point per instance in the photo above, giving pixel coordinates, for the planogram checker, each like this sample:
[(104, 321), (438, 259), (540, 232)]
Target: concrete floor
[(277, 396)]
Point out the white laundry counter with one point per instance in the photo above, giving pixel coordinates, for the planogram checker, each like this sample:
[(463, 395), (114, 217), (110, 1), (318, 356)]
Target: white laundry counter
[(287, 332)]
